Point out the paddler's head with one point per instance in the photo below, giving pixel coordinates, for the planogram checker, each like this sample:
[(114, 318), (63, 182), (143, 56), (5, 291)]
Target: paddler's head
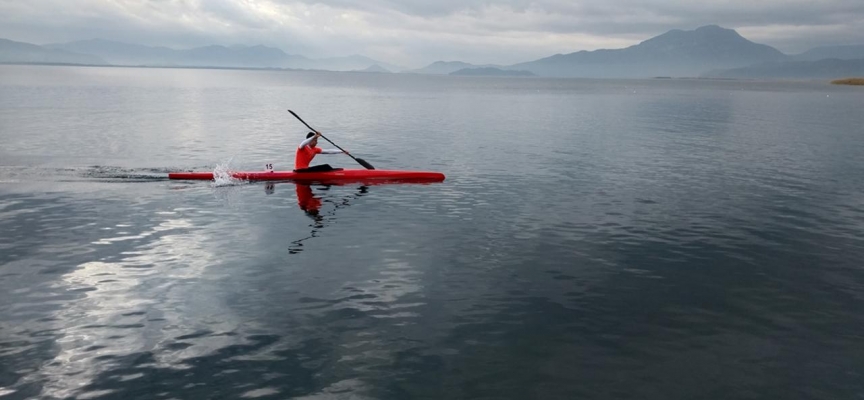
[(314, 142)]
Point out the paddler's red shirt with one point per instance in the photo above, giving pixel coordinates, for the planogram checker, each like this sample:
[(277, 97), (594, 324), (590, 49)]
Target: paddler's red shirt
[(306, 153), (304, 156)]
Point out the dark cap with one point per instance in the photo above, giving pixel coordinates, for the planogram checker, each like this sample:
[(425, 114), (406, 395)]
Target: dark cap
[(310, 134)]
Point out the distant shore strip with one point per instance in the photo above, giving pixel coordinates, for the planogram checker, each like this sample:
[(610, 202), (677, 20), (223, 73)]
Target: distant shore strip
[(849, 81)]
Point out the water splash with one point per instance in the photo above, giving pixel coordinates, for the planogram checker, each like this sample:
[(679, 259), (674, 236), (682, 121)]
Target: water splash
[(222, 175)]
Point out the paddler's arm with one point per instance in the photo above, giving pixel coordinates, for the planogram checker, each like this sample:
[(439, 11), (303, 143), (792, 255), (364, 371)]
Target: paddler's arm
[(331, 151), (306, 142)]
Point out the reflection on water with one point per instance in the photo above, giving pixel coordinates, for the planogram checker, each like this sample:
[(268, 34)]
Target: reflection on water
[(311, 204), (163, 297), (129, 305)]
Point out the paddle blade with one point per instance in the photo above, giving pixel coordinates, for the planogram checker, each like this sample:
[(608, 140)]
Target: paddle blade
[(364, 163)]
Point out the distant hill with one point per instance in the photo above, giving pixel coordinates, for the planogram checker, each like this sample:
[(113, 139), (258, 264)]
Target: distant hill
[(118, 53), (375, 69), (447, 67), (851, 52), (349, 63), (121, 53), (237, 56), (20, 52), (489, 71), (675, 53), (822, 69)]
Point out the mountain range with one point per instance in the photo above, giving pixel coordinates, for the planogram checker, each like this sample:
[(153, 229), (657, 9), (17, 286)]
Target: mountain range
[(100, 52), (708, 51), (19, 52)]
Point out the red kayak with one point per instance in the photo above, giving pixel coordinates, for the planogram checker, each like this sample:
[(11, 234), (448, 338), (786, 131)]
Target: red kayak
[(353, 175)]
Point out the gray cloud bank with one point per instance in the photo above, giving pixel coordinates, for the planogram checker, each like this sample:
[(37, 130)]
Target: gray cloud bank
[(415, 32)]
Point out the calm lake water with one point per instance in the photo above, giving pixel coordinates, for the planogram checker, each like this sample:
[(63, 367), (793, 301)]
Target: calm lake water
[(594, 239)]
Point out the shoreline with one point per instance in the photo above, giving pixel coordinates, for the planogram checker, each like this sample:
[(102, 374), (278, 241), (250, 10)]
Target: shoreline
[(849, 81)]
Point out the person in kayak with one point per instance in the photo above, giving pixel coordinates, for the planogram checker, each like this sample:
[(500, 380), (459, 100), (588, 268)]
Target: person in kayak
[(307, 151)]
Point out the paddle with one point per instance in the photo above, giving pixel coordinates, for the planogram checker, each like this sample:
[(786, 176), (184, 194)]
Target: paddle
[(359, 160)]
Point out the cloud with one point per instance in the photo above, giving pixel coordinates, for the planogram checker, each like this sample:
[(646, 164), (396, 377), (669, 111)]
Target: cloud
[(416, 32)]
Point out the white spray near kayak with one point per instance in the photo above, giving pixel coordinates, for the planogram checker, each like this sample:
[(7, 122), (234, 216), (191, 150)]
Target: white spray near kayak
[(222, 175)]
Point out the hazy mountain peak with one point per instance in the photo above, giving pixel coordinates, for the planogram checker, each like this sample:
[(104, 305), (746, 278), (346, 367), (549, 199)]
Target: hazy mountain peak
[(673, 53), (713, 28), (702, 36)]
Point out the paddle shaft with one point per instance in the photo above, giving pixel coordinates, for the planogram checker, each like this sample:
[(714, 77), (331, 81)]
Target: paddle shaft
[(359, 161)]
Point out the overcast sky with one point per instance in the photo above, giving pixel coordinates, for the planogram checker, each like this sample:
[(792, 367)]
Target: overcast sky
[(414, 33)]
